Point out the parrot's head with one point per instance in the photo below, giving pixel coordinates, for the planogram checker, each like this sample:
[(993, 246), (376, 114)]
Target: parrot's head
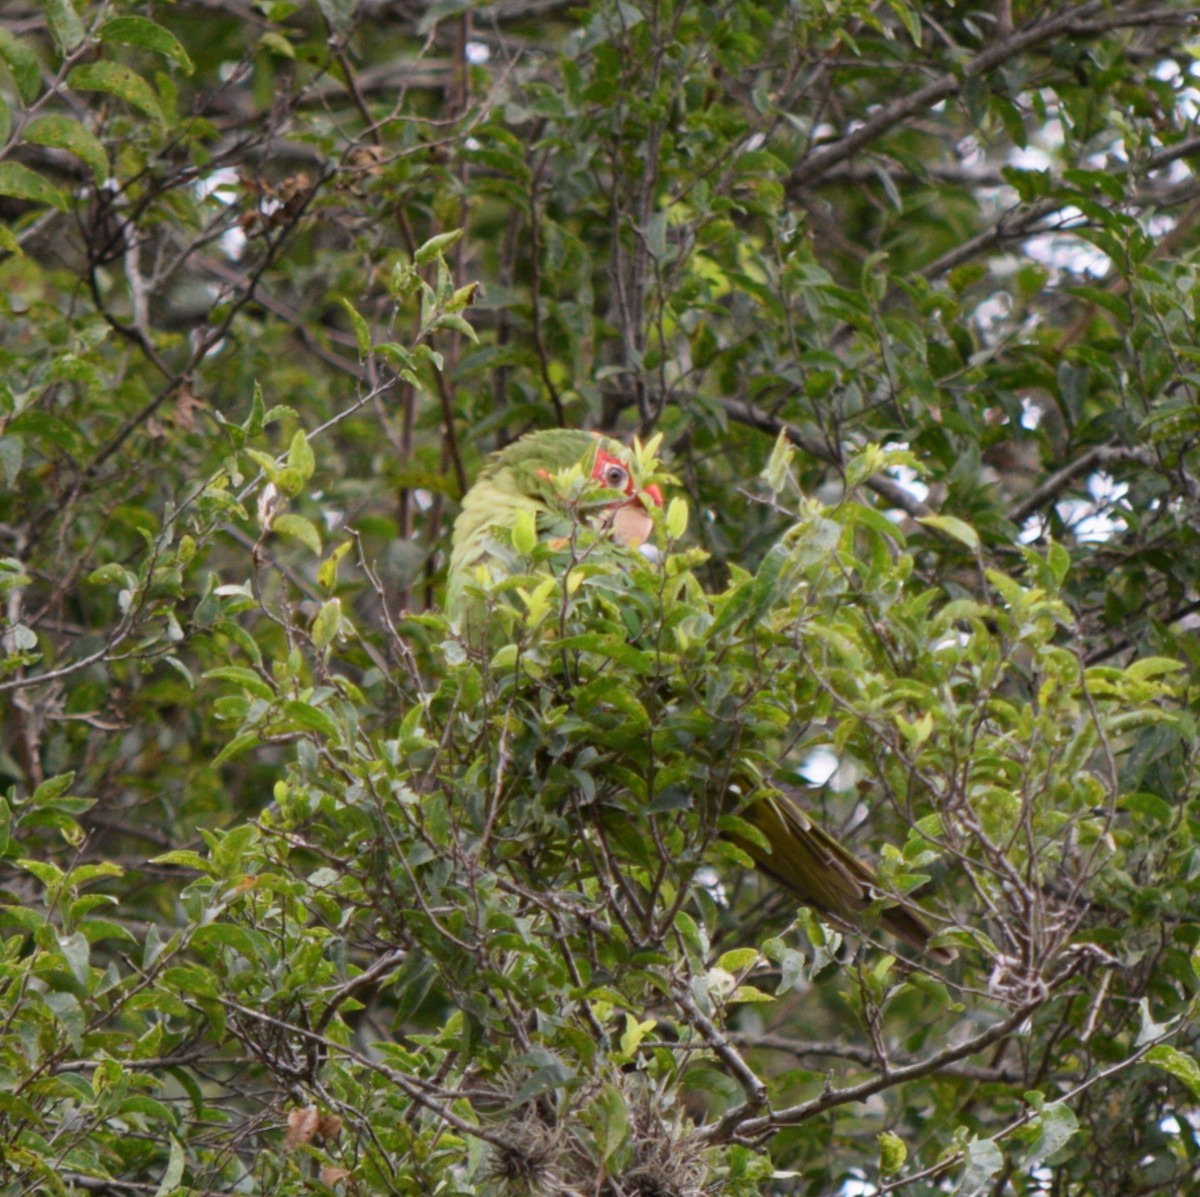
[(631, 524), (616, 479)]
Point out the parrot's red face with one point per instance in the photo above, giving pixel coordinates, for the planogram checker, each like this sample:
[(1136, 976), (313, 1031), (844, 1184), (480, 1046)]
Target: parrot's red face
[(613, 474)]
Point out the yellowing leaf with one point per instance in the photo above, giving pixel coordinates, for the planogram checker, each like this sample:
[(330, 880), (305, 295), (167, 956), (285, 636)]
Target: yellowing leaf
[(1181, 1066), (300, 456), (737, 959), (524, 533), (775, 473), (22, 183), (63, 133), (677, 517), (140, 31), (327, 571), (327, 624), (362, 331), (24, 65), (634, 1033), (747, 993), (119, 81)]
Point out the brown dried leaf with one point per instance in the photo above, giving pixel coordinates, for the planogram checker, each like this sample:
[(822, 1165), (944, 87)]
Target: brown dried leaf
[(186, 405), (329, 1128), (301, 1127)]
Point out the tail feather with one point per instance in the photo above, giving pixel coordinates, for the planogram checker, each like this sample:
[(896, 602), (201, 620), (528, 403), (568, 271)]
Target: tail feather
[(813, 866)]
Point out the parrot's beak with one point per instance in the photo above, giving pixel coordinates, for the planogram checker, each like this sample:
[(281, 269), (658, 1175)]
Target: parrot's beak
[(631, 525)]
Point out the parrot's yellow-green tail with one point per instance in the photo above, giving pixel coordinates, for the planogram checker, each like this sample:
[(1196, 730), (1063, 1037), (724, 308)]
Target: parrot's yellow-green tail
[(812, 865)]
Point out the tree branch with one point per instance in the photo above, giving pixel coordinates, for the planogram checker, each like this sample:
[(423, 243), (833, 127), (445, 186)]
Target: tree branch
[(887, 489), (746, 1127), (899, 110)]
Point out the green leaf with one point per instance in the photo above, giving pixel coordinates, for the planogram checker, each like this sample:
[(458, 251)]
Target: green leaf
[(228, 935), (45, 871), (871, 517), (309, 718), (1149, 1029), (112, 574), (459, 325), (747, 993), (156, 1111), (76, 951), (277, 44), (24, 65), (300, 529), (190, 979), (984, 1160), (236, 747), (608, 1116), (255, 421), (63, 133), (1182, 1067), (52, 789), (266, 463), (140, 31), (551, 1075), (67, 1010), (12, 455), (1053, 1128), (677, 517), (435, 246), (1148, 667), (737, 959), (339, 14), (524, 532), (246, 678), (362, 331), (1116, 304), (185, 858), (85, 874), (301, 457), (64, 24), (327, 571), (120, 81), (871, 460), (22, 183), (952, 526), (912, 25), (327, 624)]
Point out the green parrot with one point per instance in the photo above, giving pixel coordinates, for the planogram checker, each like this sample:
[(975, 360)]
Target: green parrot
[(522, 478), (799, 855)]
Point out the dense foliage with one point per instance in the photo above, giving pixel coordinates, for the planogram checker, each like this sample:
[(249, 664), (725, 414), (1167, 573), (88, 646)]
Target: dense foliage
[(301, 893)]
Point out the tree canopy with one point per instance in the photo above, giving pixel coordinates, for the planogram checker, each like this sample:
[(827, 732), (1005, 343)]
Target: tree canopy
[(300, 892)]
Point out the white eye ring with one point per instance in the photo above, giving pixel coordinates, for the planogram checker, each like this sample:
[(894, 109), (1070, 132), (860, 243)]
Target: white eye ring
[(615, 477)]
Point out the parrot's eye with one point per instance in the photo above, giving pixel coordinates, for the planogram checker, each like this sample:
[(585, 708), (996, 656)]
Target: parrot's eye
[(615, 477)]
